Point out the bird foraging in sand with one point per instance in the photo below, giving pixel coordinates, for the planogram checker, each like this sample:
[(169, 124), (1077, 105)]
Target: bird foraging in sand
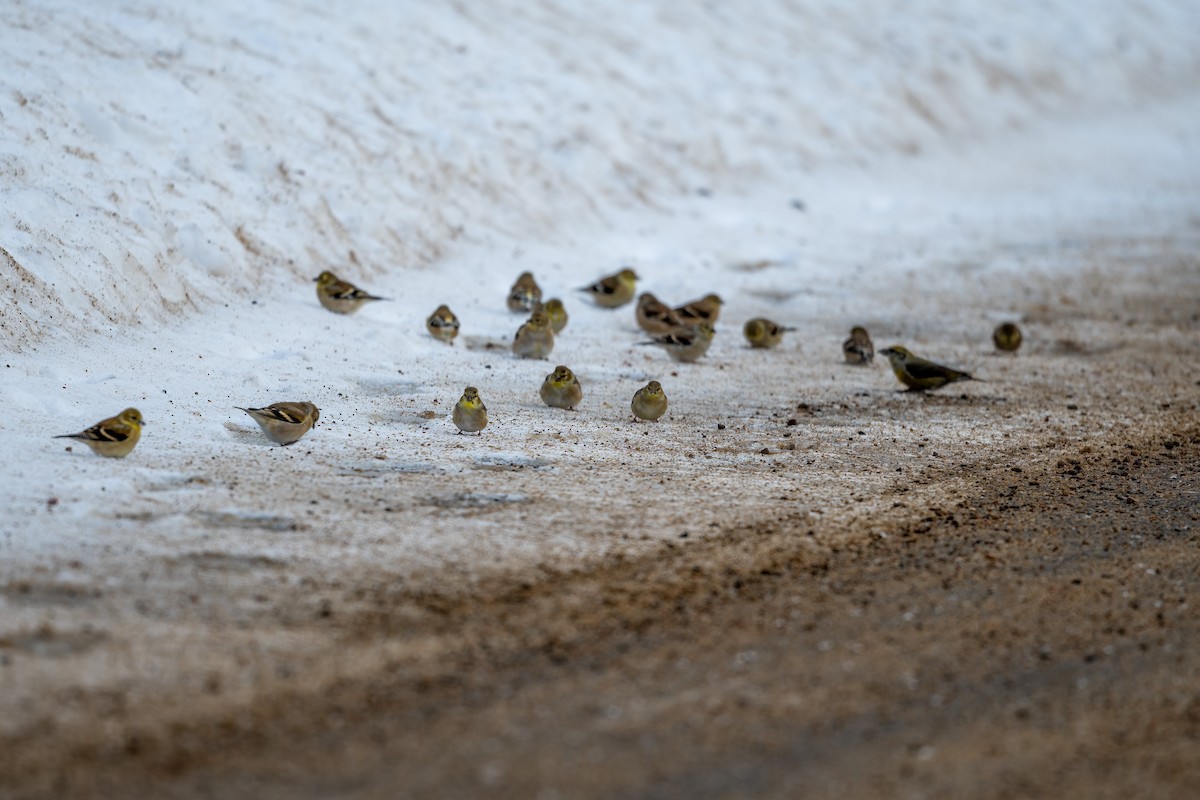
[(525, 294), (614, 290), (920, 374), (470, 414), (1007, 337), (761, 332), (442, 325), (706, 309), (534, 339), (556, 312), (284, 423), (649, 402), (858, 349), (339, 296), (561, 389), (656, 317), (685, 344), (113, 437)]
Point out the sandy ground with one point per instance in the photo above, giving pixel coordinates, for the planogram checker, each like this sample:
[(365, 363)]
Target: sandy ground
[(996, 616)]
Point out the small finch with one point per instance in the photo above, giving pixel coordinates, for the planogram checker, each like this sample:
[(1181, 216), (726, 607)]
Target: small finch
[(656, 317), (686, 344), (858, 349), (470, 414), (525, 294), (762, 332), (339, 296), (919, 374), (113, 437), (614, 290), (284, 423), (534, 339), (561, 389), (442, 325), (1007, 337), (706, 309), (649, 402), (557, 314)]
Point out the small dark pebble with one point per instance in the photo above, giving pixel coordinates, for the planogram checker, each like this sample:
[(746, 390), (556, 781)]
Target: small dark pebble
[(720, 426), (793, 421), (766, 451), (798, 205), (1072, 407)]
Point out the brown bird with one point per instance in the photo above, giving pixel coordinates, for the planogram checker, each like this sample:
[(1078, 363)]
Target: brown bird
[(656, 317), (706, 309), (858, 349)]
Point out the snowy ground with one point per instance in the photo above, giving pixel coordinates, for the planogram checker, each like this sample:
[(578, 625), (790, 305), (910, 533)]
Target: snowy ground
[(176, 179)]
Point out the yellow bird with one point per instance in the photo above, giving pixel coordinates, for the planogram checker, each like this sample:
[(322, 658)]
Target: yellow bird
[(113, 437), (656, 317), (614, 290), (470, 414), (706, 309), (339, 296), (761, 332), (1007, 337), (534, 339), (284, 423), (561, 389), (858, 349), (920, 374), (525, 294), (442, 325), (649, 402), (686, 344), (557, 313)]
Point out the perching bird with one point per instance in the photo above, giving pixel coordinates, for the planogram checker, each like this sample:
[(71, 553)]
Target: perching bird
[(656, 317), (920, 374), (113, 437), (442, 324), (534, 339), (470, 414), (649, 402), (557, 313), (284, 423), (561, 389), (339, 296), (614, 290), (1007, 337), (525, 294), (858, 349), (686, 344), (706, 309), (762, 332)]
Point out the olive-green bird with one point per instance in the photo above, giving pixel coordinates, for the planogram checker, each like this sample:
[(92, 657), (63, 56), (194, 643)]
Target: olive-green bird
[(920, 374)]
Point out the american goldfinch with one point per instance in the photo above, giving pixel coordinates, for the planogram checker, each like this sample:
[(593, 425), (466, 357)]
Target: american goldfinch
[(706, 309), (561, 389), (649, 402), (858, 349), (557, 314), (340, 297), (442, 325), (762, 332), (614, 290), (284, 423), (525, 294), (656, 317), (919, 374), (534, 339), (113, 437), (470, 414), (686, 344), (1007, 337)]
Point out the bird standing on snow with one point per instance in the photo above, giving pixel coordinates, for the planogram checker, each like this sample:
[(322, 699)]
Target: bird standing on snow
[(113, 437), (858, 349), (920, 374), (614, 290), (1007, 337), (556, 312), (656, 317), (706, 309), (284, 423), (442, 325), (649, 402), (764, 333), (561, 389), (534, 339), (470, 414), (686, 344), (339, 296), (525, 294)]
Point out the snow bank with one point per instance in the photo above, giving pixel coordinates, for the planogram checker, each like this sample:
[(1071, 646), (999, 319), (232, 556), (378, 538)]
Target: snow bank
[(160, 158)]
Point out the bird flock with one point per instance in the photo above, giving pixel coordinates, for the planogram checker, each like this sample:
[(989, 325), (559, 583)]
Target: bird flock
[(685, 332)]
